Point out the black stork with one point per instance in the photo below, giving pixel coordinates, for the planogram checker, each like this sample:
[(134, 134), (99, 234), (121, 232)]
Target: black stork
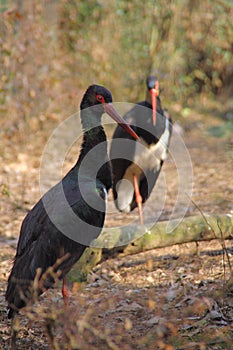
[(41, 243), (135, 177)]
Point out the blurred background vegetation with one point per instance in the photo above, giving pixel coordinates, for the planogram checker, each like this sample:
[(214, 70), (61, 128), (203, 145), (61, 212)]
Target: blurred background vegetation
[(52, 50)]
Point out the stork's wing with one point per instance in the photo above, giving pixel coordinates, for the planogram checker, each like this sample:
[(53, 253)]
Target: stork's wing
[(65, 209)]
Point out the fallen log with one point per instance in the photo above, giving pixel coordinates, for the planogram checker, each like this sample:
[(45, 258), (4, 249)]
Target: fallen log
[(142, 238)]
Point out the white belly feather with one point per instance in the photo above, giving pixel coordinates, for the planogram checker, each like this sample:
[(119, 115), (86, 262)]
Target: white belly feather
[(146, 157)]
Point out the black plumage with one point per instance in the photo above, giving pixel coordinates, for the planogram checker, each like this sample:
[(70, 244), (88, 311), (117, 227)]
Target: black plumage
[(143, 165), (71, 214)]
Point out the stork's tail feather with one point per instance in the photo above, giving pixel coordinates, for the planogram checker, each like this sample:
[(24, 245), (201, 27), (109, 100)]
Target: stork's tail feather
[(19, 292)]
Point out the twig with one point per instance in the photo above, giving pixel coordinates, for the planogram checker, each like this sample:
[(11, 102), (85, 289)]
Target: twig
[(225, 251), (221, 240)]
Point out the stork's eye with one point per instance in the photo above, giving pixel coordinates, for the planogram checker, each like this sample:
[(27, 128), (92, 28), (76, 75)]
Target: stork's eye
[(100, 98)]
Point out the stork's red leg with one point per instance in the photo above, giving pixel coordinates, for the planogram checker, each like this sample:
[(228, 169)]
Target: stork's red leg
[(65, 292), (138, 197), (66, 297)]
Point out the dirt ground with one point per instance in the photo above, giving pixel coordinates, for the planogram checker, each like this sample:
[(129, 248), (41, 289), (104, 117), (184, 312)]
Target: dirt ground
[(177, 297)]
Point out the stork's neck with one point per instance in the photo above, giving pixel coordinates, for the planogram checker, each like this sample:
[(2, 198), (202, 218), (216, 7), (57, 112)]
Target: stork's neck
[(94, 151), (93, 130), (92, 138), (148, 97)]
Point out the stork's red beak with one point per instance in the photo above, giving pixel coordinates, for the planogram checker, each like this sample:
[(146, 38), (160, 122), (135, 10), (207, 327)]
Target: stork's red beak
[(111, 111), (154, 94)]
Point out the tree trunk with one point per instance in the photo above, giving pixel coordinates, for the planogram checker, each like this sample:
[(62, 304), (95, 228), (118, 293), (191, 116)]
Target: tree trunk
[(190, 229)]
